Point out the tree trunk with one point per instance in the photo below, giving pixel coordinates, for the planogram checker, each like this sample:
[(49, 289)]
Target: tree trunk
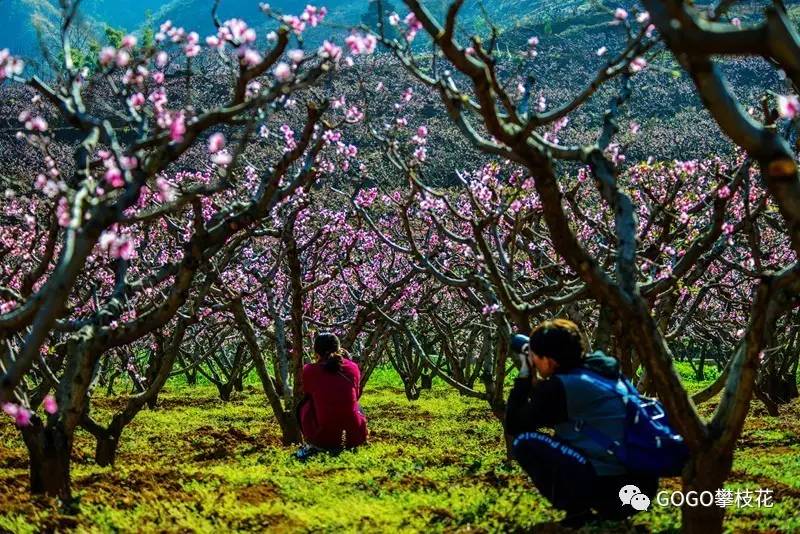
[(49, 456), (105, 452), (225, 391), (706, 472), (290, 430), (152, 402), (412, 393), (426, 381), (191, 378), (290, 426), (602, 334)]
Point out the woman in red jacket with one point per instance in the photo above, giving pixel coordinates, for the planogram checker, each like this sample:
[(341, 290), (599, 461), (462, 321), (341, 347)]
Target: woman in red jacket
[(330, 416)]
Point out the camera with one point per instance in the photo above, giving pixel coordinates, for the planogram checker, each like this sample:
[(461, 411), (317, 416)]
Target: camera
[(519, 343)]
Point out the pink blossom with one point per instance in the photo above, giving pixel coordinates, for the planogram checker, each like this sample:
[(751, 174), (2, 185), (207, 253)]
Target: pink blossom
[(49, 404), (366, 197), (394, 19), (215, 42), (489, 309), (10, 409), (62, 212), (107, 55), (313, 15), (123, 249), (117, 246), (338, 102), (36, 124), (122, 58), (20, 414), (223, 159), (282, 72), (216, 143), (353, 115), (360, 44), (114, 177), (177, 127), (107, 239), (330, 51), (297, 25), (129, 41), (158, 77), (191, 50), (136, 100), (23, 417), (638, 64), (533, 42), (166, 193), (332, 136), (788, 106), (620, 14), (250, 57), (643, 17), (727, 228), (9, 65), (129, 162), (724, 192), (736, 21), (162, 58), (413, 24)]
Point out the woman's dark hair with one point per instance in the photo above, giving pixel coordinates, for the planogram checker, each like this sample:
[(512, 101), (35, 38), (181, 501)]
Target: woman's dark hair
[(326, 344), (559, 339)]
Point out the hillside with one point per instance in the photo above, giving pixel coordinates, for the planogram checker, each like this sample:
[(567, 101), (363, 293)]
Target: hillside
[(673, 123)]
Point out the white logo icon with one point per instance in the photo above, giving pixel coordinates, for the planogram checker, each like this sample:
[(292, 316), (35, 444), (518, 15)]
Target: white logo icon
[(632, 495)]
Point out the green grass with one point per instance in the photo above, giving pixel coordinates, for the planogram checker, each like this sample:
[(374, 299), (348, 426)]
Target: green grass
[(438, 464)]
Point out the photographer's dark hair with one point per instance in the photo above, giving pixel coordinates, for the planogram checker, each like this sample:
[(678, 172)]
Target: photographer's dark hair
[(326, 344), (559, 339)]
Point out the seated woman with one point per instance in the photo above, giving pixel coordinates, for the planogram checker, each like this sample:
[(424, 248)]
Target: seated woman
[(330, 416)]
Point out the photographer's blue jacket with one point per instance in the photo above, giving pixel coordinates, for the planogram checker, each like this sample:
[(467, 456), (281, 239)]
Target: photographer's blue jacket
[(563, 402)]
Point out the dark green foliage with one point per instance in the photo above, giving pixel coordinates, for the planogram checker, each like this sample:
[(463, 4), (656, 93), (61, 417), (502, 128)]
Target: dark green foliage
[(114, 36)]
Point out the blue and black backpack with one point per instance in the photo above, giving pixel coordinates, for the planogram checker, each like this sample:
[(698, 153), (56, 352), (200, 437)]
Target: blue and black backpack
[(649, 444)]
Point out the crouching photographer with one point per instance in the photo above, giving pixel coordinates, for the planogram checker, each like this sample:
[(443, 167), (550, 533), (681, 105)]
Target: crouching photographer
[(605, 435)]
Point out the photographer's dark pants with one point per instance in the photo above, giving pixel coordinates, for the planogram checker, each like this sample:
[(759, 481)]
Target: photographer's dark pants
[(568, 480)]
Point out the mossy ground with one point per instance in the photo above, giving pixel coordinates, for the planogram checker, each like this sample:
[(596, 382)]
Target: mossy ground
[(437, 464)]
